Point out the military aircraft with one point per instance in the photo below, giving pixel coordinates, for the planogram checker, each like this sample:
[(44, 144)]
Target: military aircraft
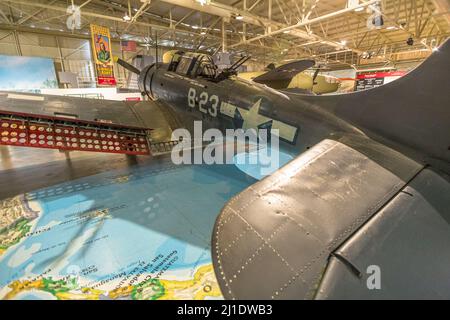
[(362, 212)]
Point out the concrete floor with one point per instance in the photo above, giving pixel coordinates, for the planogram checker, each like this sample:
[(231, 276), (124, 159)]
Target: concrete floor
[(27, 169)]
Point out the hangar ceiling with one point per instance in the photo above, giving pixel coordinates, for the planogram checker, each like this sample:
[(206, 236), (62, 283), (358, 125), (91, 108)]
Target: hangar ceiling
[(334, 31)]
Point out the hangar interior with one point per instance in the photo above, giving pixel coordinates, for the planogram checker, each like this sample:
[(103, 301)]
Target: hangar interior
[(271, 31), (81, 225)]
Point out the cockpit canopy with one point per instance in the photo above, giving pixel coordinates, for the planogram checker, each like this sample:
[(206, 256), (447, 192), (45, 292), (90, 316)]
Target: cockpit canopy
[(193, 65)]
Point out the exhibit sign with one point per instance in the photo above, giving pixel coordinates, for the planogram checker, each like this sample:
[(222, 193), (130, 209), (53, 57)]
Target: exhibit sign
[(21, 73), (366, 81), (101, 46), (128, 45)]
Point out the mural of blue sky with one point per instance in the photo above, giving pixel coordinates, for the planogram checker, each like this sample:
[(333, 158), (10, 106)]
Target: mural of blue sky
[(26, 73)]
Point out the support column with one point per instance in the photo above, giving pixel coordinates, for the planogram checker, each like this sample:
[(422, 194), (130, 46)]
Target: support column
[(224, 37), (244, 26), (61, 59), (16, 40), (269, 15)]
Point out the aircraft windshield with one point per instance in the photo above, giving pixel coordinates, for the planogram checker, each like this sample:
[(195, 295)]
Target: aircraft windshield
[(184, 65), (198, 65)]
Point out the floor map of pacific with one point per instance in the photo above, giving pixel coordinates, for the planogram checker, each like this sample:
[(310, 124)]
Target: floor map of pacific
[(140, 233)]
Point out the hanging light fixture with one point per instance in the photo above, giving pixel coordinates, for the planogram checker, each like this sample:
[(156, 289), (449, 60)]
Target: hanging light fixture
[(203, 2), (127, 16), (74, 17)]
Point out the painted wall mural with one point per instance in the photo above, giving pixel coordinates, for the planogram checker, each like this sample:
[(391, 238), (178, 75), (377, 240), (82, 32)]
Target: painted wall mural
[(27, 73)]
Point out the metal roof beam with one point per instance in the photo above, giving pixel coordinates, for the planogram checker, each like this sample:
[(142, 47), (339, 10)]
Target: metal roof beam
[(308, 22), (228, 12), (87, 13)]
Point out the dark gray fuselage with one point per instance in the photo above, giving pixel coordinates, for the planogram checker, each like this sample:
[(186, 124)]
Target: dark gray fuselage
[(301, 125), (409, 115)]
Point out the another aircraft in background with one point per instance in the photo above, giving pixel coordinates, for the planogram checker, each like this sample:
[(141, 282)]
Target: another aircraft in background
[(307, 81)]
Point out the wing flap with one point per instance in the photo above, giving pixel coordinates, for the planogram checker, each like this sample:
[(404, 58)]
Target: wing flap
[(274, 238), (70, 136), (407, 242)]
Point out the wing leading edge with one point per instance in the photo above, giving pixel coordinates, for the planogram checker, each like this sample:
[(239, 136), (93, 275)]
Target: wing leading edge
[(279, 238), (406, 243)]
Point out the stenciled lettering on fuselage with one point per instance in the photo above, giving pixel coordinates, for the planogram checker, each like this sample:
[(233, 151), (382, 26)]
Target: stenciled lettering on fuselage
[(251, 118)]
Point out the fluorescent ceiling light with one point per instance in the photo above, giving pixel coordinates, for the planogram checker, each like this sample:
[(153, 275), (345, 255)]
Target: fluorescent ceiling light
[(126, 17), (203, 2), (359, 9)]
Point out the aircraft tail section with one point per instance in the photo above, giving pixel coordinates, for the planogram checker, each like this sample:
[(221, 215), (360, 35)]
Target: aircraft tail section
[(413, 111)]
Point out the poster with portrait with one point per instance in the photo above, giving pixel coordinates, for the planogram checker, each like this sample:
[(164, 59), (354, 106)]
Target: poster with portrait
[(101, 46)]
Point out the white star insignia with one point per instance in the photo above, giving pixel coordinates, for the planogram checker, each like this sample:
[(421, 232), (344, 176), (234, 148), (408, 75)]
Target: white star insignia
[(252, 118)]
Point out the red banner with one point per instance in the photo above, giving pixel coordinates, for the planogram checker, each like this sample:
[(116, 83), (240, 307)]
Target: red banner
[(381, 74), (132, 99)]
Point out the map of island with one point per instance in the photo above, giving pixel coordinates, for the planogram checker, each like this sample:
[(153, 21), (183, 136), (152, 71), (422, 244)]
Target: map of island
[(16, 217)]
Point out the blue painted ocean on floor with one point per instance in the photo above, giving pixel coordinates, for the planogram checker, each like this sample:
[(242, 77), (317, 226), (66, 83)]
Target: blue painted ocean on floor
[(111, 222)]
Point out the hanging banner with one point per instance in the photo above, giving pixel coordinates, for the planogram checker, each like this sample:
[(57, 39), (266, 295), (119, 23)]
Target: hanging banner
[(101, 46)]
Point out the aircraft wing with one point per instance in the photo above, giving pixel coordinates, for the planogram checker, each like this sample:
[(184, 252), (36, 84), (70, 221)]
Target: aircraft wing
[(73, 123), (281, 76), (318, 226)]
